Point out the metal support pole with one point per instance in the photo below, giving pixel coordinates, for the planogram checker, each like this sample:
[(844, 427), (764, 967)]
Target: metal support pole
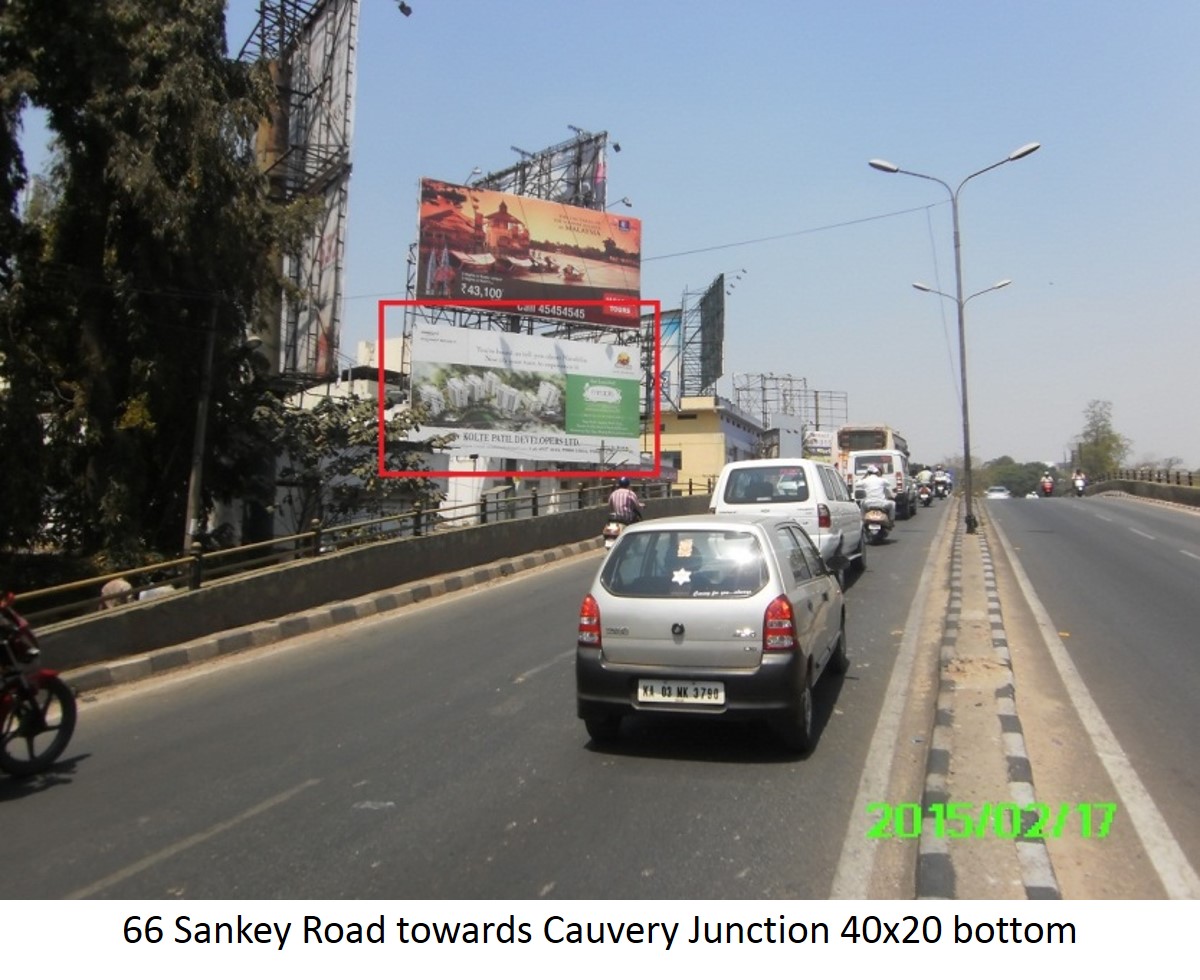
[(192, 522)]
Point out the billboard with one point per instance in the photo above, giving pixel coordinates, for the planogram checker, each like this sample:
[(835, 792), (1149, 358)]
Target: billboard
[(522, 397), (304, 148), (712, 333), (312, 318), (484, 245)]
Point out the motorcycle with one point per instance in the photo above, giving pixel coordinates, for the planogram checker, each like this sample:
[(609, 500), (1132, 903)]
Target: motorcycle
[(876, 522), (925, 494), (612, 531), (37, 708), (1047, 488), (941, 488), (1080, 483)]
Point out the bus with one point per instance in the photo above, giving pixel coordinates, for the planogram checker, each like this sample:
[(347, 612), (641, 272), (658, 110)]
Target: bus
[(851, 438)]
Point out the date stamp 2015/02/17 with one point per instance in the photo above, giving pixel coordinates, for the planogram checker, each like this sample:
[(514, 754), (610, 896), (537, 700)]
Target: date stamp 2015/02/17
[(958, 820)]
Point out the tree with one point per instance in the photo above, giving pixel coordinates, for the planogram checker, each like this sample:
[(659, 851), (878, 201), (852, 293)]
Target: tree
[(162, 230), (1102, 449), (1020, 478), (329, 460)]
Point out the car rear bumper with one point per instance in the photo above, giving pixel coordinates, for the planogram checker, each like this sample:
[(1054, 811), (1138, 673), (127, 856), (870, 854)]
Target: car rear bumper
[(604, 688)]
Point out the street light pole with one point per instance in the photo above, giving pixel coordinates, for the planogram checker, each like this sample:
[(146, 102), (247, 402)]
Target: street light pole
[(960, 302)]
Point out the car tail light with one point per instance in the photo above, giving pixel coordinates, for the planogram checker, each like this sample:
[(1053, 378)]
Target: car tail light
[(779, 626), (589, 622), (823, 519)]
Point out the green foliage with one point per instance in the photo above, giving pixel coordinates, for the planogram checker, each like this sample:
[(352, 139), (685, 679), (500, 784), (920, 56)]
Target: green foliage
[(154, 227), (329, 460), (1102, 449), (1020, 478)]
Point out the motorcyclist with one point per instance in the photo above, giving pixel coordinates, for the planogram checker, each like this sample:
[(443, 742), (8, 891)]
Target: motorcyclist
[(941, 480), (877, 492), (623, 503), (1047, 483), (925, 476)]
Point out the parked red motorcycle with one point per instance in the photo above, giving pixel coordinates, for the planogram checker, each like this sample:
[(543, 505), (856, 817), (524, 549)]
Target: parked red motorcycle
[(37, 708)]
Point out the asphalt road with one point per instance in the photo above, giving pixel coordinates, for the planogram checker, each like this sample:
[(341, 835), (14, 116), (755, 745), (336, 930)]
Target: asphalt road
[(434, 754), (1120, 579)]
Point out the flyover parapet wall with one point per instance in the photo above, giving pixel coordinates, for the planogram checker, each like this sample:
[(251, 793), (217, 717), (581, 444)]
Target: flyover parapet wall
[(273, 593)]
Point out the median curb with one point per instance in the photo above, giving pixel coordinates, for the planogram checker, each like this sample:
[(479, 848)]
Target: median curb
[(156, 662), (936, 875)]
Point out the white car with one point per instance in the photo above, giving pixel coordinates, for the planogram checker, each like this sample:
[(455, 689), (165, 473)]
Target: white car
[(998, 493), (811, 493)]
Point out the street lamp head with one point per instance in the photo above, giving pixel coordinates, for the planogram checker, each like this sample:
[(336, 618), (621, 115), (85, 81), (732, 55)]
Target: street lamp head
[(1002, 283), (921, 286), (1024, 151), (887, 168)]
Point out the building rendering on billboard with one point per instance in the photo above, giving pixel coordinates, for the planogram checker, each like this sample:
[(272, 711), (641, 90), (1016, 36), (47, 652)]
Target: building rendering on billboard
[(522, 397), (484, 245)]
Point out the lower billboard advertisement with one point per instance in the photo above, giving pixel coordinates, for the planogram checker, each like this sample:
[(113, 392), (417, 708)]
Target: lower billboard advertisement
[(520, 397)]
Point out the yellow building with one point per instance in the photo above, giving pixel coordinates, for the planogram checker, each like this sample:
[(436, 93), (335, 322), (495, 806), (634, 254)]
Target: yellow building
[(706, 433)]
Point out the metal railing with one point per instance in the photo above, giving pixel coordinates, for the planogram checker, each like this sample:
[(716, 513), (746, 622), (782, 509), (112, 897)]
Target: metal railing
[(1177, 478), (70, 600)]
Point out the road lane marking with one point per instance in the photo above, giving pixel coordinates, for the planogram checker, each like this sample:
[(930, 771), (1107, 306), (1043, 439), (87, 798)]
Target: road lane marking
[(1178, 877), (1189, 554), (522, 678), (188, 843), (1143, 534), (856, 865)]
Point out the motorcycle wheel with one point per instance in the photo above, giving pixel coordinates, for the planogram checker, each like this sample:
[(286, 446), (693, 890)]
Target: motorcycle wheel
[(37, 726)]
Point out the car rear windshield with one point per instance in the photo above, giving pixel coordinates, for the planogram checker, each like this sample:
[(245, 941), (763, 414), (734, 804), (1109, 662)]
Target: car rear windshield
[(686, 564), (767, 485)]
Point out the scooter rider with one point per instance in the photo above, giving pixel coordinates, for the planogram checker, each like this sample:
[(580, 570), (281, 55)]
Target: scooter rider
[(925, 476), (877, 492), (941, 481), (624, 503)]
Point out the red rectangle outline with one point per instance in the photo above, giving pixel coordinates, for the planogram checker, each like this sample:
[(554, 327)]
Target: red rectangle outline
[(652, 474)]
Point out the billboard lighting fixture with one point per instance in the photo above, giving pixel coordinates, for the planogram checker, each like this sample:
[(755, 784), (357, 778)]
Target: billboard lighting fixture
[(624, 200), (616, 148), (524, 153), (474, 171), (405, 8), (577, 131)]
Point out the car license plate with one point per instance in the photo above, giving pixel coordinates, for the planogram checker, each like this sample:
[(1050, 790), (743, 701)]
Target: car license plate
[(681, 692)]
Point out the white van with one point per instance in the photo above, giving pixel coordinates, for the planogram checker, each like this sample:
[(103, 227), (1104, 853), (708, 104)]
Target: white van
[(809, 492), (893, 467)]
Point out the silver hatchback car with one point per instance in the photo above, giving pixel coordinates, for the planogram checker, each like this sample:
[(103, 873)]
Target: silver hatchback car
[(723, 615)]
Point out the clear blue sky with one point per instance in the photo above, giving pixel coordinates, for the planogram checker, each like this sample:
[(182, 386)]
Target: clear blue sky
[(752, 119)]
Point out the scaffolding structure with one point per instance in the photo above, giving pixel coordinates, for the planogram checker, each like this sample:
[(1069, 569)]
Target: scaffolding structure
[(304, 149), (571, 172), (765, 396)]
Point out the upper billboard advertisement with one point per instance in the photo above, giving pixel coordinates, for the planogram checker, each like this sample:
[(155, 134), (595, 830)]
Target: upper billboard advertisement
[(479, 245)]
